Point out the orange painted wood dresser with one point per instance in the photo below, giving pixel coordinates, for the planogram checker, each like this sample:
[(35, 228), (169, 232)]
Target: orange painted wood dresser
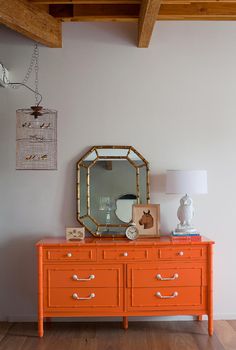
[(106, 277)]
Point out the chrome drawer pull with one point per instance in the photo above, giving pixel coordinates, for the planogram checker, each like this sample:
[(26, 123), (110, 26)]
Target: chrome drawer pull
[(159, 277), (76, 278), (174, 295), (69, 255), (76, 297), (181, 253), (125, 254)]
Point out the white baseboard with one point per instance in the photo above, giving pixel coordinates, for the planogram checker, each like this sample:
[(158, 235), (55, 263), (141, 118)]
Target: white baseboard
[(33, 318)]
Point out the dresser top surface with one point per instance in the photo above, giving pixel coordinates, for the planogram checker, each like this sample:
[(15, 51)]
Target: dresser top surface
[(92, 241)]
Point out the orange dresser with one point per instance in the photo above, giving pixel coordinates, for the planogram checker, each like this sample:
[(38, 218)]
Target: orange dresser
[(106, 277)]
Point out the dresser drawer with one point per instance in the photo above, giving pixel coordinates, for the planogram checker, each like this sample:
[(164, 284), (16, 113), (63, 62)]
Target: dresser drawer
[(167, 297), (84, 300), (83, 276), (125, 254), (182, 253), (70, 254), (161, 276)]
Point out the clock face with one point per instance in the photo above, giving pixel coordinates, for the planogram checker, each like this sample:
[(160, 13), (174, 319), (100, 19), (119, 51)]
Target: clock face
[(131, 232)]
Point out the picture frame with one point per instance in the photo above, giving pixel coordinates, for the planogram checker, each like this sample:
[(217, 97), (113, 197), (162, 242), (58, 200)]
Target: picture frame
[(146, 218), (75, 233)]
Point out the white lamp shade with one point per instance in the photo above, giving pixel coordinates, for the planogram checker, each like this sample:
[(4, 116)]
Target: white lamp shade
[(186, 181)]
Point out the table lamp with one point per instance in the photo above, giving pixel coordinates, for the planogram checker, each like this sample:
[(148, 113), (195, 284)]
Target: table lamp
[(186, 182)]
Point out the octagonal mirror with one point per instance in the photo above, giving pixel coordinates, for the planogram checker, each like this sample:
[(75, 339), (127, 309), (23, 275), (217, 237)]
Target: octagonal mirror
[(110, 179)]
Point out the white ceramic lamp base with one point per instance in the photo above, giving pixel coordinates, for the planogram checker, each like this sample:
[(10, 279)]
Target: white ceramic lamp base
[(185, 214)]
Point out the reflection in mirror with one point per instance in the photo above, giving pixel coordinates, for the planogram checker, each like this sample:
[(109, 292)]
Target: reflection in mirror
[(110, 180), (124, 206), (106, 185)]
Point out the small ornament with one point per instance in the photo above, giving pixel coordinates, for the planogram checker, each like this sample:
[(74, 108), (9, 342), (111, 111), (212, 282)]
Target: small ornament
[(132, 232), (75, 233)]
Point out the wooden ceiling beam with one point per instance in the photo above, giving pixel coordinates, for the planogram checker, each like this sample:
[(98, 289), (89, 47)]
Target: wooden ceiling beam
[(198, 11), (84, 2), (130, 13), (29, 20), (94, 12), (103, 19), (117, 2), (189, 2), (147, 19)]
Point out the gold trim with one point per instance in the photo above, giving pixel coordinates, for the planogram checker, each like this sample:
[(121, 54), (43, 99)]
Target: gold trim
[(148, 184), (138, 185), (128, 152), (132, 163), (88, 190), (93, 162)]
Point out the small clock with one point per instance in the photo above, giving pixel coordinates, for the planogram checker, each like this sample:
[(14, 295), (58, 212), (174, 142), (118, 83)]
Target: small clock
[(131, 232)]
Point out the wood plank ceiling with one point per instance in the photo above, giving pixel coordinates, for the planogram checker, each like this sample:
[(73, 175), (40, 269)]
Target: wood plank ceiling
[(41, 19)]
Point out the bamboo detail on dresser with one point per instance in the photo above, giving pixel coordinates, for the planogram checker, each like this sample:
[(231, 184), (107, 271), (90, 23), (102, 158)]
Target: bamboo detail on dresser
[(148, 277)]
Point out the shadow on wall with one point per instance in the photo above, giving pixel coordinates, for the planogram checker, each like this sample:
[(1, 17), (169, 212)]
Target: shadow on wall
[(158, 183), (69, 204), (158, 195), (18, 258), (19, 283)]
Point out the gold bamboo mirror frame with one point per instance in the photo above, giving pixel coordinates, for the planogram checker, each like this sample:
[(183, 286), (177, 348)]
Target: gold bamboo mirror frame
[(110, 179)]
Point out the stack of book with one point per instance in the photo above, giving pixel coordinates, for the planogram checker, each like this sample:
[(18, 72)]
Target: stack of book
[(192, 237)]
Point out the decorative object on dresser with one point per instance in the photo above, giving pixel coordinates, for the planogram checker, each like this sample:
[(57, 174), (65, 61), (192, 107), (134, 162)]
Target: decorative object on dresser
[(132, 231), (189, 182), (107, 277), (104, 199), (147, 219), (75, 233)]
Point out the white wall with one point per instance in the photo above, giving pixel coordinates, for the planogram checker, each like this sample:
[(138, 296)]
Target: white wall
[(174, 102)]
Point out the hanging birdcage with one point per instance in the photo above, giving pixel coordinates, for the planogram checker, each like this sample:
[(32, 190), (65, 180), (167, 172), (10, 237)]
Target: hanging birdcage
[(36, 127), (36, 139)]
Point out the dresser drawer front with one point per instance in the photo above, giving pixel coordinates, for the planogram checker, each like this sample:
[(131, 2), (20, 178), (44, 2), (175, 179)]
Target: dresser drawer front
[(84, 300), (83, 276), (182, 253), (167, 297), (163, 276), (125, 254), (70, 255)]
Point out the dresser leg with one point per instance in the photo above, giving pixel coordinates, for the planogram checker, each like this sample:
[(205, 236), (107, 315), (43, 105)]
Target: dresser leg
[(199, 317), (40, 292), (125, 322), (210, 324), (40, 327), (210, 290)]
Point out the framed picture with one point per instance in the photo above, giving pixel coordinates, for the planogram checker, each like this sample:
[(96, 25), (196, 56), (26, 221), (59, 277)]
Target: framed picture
[(75, 233), (147, 219)]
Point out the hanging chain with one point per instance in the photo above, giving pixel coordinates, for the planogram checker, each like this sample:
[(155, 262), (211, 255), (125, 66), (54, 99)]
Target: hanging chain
[(34, 63), (36, 68)]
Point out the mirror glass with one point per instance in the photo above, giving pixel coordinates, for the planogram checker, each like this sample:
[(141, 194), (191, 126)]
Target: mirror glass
[(110, 180), (124, 206)]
